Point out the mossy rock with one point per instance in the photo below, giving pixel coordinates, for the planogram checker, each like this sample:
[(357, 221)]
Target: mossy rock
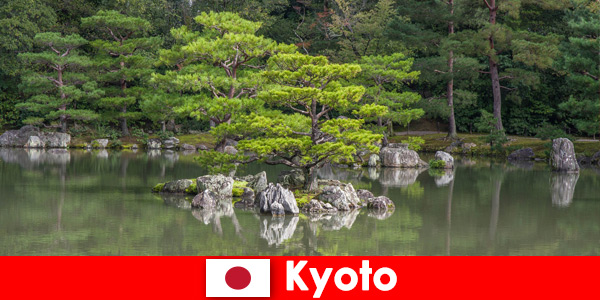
[(192, 189), (302, 198), (157, 188), (237, 191), (240, 184)]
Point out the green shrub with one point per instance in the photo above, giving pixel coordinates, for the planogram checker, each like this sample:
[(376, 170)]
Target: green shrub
[(437, 164), (550, 132), (163, 135), (414, 142)]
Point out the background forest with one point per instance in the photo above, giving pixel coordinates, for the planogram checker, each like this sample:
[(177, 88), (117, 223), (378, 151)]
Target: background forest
[(125, 67)]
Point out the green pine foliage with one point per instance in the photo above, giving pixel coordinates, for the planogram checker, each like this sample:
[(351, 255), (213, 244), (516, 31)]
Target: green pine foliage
[(124, 60), (56, 81)]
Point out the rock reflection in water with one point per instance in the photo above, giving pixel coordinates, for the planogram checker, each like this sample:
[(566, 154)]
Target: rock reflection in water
[(526, 165), (398, 177), (563, 188), (213, 216), (381, 214), (102, 154), (445, 178), (342, 174), (276, 230), (179, 201), (30, 158), (334, 221), (373, 173)]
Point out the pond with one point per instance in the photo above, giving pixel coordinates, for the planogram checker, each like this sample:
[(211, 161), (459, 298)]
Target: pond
[(58, 202)]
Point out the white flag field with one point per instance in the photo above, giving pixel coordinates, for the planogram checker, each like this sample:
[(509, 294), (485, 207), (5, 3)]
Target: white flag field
[(238, 278)]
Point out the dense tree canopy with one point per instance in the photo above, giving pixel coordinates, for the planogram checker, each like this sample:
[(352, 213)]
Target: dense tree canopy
[(533, 64)]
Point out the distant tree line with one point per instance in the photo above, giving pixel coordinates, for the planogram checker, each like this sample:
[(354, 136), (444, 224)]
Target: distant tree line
[(131, 65)]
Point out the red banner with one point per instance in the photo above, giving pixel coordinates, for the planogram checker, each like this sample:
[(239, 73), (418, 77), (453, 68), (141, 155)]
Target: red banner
[(311, 277)]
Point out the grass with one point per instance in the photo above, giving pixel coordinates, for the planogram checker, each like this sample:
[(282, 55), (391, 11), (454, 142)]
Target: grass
[(438, 142), (194, 139)]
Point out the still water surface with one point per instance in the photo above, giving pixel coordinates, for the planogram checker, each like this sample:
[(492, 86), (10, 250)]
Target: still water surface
[(99, 203)]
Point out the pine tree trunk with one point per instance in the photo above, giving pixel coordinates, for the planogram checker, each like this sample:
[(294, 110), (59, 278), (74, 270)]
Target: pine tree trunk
[(450, 88), (311, 184), (63, 107), (494, 72)]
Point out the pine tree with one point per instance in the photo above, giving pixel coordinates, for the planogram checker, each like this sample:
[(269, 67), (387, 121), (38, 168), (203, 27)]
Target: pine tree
[(56, 80), (219, 66), (383, 77), (582, 62), (124, 60), (310, 87)]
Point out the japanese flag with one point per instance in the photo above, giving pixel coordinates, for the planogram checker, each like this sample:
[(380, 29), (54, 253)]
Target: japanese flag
[(238, 278)]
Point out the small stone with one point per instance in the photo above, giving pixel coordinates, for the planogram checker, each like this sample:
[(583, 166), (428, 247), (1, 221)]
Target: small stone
[(34, 142), (522, 154), (446, 158), (154, 144), (188, 147), (99, 143), (373, 161), (230, 150), (364, 195)]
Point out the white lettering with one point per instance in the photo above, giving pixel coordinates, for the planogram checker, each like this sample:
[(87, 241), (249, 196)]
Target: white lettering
[(320, 282), (365, 271), (338, 279), (377, 279), (293, 275)]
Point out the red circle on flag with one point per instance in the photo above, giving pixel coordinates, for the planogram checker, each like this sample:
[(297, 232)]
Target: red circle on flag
[(237, 278)]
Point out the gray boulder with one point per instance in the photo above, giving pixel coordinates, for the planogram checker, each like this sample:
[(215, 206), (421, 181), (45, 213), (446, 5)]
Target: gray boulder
[(399, 156), (256, 182), (188, 147), (342, 196), (230, 150), (277, 209), (154, 144), (562, 156), (170, 143), (319, 207), (220, 185), (596, 158), (205, 200), (34, 142), (373, 161), (18, 138), (202, 147), (521, 154), (312, 206), (248, 196), (380, 203), (56, 139), (178, 186), (292, 179), (364, 195), (100, 143), (445, 157), (277, 193)]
